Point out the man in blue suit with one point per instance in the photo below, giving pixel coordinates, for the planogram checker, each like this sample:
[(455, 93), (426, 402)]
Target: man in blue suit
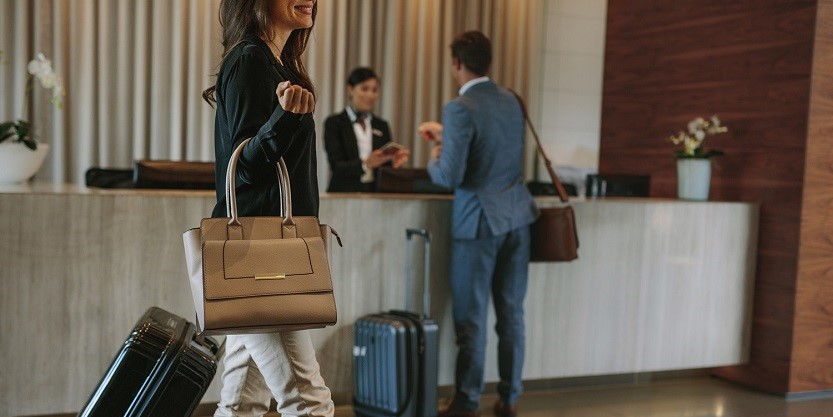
[(479, 153)]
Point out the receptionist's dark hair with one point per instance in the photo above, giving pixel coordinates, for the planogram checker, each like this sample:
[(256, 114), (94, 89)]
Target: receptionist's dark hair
[(474, 50), (360, 75)]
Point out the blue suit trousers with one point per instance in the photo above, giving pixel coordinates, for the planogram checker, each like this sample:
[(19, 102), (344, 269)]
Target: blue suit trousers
[(497, 264)]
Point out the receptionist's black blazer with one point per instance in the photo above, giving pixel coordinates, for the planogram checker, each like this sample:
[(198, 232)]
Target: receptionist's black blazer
[(343, 151)]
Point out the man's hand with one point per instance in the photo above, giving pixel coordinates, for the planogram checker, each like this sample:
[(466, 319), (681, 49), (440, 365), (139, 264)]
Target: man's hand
[(294, 98), (436, 151), (431, 131)]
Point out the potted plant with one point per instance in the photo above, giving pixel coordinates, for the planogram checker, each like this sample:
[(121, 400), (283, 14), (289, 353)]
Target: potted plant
[(693, 161), (21, 154)]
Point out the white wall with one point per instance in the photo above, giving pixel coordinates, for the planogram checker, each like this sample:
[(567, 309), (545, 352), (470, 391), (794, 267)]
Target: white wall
[(571, 80)]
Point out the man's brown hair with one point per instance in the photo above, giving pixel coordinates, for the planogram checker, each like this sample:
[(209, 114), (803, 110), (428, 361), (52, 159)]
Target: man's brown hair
[(474, 50)]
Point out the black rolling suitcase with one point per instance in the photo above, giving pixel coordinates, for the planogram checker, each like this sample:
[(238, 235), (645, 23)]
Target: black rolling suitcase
[(395, 356), (162, 370)]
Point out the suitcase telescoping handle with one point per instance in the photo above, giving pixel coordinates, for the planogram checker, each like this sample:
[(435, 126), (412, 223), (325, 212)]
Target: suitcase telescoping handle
[(426, 255)]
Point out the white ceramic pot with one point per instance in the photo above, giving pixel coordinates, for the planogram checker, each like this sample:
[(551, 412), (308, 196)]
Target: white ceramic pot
[(694, 176), (19, 163)]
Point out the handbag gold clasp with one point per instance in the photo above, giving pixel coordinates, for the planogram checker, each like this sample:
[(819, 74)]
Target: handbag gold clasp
[(281, 276)]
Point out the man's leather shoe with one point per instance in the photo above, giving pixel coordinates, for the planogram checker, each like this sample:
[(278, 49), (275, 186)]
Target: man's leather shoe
[(452, 412), (503, 409)]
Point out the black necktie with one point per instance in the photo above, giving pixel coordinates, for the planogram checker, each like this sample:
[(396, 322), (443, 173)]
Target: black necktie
[(360, 116)]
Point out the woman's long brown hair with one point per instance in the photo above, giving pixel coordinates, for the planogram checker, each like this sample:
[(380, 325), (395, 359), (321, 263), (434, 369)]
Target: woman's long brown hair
[(249, 18)]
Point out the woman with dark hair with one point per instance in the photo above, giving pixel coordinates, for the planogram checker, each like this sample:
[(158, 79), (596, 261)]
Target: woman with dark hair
[(354, 138), (263, 92)]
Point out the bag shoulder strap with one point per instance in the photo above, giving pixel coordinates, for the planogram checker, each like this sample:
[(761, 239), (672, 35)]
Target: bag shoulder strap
[(562, 193)]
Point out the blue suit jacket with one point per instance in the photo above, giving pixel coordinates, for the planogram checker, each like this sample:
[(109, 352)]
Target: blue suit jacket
[(482, 160)]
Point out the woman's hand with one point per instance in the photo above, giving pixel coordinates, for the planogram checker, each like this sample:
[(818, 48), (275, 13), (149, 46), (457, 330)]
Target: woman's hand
[(294, 98), (376, 159), (401, 158)]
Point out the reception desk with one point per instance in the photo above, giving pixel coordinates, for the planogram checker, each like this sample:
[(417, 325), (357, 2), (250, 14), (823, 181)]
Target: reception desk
[(659, 285)]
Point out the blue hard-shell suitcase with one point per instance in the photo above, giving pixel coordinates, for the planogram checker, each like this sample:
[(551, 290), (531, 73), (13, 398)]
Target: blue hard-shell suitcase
[(395, 356), (162, 370)]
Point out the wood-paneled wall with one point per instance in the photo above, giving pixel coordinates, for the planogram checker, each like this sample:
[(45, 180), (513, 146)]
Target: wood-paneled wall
[(812, 330), (751, 63)]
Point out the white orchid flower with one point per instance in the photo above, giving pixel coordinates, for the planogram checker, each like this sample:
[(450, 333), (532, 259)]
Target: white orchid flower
[(48, 81), (41, 68), (698, 129), (57, 93), (691, 145), (695, 125)]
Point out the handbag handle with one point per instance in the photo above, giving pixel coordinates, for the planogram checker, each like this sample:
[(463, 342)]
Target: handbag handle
[(231, 190), (562, 193)]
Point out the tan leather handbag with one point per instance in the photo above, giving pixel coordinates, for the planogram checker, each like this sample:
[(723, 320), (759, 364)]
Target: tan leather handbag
[(260, 274)]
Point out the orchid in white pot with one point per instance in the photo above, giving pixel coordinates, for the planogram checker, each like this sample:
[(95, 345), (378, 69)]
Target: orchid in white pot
[(20, 130), (694, 167), (21, 154)]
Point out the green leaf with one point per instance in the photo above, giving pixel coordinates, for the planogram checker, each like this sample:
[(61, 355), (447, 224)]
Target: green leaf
[(22, 129), (7, 131), (699, 153), (30, 144), (5, 127)]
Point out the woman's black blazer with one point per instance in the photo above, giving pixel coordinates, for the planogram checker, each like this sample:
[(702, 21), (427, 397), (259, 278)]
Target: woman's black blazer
[(343, 151)]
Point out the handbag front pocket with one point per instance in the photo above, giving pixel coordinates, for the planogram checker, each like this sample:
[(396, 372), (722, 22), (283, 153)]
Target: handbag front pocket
[(252, 268)]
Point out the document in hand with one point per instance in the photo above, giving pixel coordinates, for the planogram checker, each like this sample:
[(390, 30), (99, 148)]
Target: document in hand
[(392, 148)]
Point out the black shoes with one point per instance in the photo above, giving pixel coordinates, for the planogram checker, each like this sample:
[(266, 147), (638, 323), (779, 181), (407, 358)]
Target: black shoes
[(503, 409)]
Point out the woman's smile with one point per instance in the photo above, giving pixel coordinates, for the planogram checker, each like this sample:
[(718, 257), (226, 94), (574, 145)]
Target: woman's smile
[(305, 8)]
